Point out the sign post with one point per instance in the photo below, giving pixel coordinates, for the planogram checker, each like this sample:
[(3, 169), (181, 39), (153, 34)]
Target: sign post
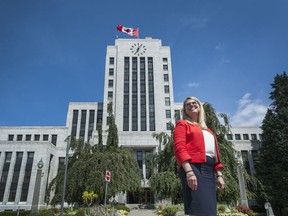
[(107, 179)]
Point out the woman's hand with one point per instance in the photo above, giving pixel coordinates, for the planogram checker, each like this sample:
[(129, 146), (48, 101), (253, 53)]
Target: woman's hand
[(220, 182), (192, 180)]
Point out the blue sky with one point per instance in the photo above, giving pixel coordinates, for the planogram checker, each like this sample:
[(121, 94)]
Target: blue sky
[(224, 52)]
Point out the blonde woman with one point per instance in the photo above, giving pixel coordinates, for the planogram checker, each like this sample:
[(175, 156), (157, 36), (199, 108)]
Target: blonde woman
[(197, 154)]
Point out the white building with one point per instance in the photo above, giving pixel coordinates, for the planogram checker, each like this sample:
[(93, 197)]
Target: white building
[(138, 82)]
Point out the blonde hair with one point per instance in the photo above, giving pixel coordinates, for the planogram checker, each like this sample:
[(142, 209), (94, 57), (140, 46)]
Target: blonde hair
[(201, 116)]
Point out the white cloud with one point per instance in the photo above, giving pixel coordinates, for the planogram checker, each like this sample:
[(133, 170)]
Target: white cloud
[(250, 112), (192, 85), (219, 46), (224, 61)]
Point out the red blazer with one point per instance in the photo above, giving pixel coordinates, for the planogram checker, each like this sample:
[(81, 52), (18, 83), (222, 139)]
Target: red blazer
[(189, 144)]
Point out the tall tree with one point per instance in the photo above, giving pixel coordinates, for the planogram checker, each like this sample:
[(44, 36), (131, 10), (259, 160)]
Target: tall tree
[(227, 151), (112, 139), (272, 168), (87, 166), (165, 182)]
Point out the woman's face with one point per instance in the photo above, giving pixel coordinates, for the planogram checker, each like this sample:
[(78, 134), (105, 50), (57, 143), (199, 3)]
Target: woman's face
[(192, 107)]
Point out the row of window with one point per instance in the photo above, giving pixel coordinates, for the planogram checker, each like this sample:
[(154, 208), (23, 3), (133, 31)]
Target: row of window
[(244, 137), (16, 173), (111, 61), (35, 137)]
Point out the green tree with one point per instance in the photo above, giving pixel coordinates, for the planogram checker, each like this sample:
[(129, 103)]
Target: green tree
[(272, 168), (87, 166), (165, 181), (112, 139), (89, 197)]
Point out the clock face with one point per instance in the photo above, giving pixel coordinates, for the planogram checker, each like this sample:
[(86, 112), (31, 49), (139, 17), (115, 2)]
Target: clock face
[(138, 49)]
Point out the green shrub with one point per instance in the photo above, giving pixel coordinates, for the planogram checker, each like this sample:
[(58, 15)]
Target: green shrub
[(122, 207), (221, 208), (245, 210), (44, 212), (14, 213), (169, 211), (81, 212)]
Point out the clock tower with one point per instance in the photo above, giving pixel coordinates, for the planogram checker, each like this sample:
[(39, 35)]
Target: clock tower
[(138, 82)]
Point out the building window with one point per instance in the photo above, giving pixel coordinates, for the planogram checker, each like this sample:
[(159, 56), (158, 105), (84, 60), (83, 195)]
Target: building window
[(148, 158), (255, 157), (260, 136), (19, 137), (110, 83), (245, 136), (151, 94), (61, 163), (74, 123), (135, 94), (126, 94), (10, 137), (245, 160), (54, 139), (125, 113), (139, 158), (27, 176), (166, 89), (237, 137), (111, 60), (165, 67), (110, 95), (91, 123), (111, 71), (8, 157), (177, 115), (36, 137), (28, 137), (167, 101), (168, 126), (229, 137), (82, 124), (253, 137), (165, 60), (168, 113), (166, 77), (45, 137), (143, 109), (15, 178), (4, 176), (108, 120)]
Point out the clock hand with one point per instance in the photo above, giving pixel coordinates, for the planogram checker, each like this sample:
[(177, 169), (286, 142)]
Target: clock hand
[(137, 50)]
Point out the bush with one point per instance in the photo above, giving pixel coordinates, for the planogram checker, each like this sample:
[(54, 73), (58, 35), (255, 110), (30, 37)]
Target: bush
[(245, 210), (99, 211), (122, 207), (44, 212), (221, 208), (81, 212), (169, 211), (14, 213)]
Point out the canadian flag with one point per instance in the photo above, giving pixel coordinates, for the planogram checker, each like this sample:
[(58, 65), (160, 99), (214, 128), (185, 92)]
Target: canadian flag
[(130, 31)]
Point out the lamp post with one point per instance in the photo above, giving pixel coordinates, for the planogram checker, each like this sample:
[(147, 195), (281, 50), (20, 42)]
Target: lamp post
[(35, 201), (243, 195), (65, 174)]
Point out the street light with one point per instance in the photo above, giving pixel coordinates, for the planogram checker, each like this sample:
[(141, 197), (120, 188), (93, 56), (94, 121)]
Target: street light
[(65, 174), (243, 195), (35, 201)]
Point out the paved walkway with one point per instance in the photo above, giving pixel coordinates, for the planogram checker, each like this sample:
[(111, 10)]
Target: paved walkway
[(142, 212)]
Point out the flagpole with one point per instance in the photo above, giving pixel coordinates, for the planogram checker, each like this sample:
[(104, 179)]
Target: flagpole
[(138, 32)]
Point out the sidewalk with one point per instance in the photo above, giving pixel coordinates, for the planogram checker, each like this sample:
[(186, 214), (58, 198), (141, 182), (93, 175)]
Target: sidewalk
[(142, 212)]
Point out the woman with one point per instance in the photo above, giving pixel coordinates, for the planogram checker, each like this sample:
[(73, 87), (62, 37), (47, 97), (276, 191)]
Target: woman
[(197, 154)]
